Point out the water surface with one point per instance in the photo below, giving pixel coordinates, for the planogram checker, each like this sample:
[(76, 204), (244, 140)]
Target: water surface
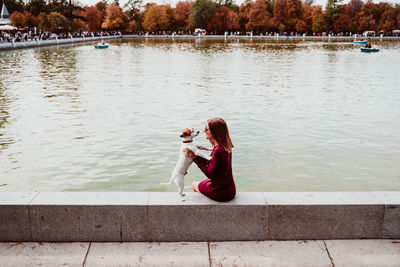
[(303, 115)]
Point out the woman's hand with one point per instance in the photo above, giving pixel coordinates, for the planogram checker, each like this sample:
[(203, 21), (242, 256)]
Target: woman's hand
[(189, 153)]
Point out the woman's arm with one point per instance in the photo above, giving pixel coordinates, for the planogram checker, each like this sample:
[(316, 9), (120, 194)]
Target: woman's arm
[(210, 167)]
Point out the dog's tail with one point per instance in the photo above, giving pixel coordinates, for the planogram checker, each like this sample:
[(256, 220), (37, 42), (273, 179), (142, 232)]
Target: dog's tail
[(170, 181)]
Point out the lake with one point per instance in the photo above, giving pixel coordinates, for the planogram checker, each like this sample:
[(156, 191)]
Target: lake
[(303, 115)]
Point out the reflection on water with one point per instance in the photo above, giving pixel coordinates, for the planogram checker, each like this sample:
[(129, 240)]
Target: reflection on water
[(303, 115)]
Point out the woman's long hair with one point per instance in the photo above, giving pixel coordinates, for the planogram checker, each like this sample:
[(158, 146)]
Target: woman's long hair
[(220, 133)]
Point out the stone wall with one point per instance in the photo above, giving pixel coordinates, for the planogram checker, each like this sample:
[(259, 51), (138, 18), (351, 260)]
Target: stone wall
[(158, 216)]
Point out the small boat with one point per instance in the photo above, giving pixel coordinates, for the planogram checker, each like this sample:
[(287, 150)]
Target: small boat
[(102, 45), (369, 49), (288, 38), (360, 42)]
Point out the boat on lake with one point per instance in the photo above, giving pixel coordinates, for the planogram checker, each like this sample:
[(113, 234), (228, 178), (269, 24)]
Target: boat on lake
[(369, 49), (360, 42), (102, 45), (288, 38)]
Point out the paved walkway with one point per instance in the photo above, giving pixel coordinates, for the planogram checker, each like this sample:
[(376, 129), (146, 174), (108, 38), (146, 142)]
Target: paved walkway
[(382, 252)]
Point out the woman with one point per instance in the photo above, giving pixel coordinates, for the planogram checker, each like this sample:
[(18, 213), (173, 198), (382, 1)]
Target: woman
[(220, 185)]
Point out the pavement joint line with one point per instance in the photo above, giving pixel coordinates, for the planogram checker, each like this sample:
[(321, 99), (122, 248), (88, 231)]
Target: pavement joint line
[(33, 198), (120, 231), (29, 216), (380, 234), (329, 255), (29, 221), (87, 253), (148, 220), (209, 254)]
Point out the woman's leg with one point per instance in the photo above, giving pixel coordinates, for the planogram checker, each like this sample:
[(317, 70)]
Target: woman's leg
[(195, 187)]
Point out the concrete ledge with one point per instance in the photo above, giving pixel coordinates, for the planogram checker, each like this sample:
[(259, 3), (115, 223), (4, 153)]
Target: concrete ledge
[(145, 216)]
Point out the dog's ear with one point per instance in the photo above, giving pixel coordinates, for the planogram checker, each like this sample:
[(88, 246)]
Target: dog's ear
[(186, 132)]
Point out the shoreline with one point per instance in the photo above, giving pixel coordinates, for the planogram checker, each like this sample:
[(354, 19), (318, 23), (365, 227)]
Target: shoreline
[(266, 37), (38, 43), (41, 43)]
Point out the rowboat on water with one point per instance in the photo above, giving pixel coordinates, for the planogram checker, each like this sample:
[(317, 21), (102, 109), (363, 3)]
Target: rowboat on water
[(369, 49), (288, 38), (102, 45), (360, 42)]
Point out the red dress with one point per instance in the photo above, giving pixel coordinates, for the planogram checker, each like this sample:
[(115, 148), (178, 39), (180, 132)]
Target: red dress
[(220, 185)]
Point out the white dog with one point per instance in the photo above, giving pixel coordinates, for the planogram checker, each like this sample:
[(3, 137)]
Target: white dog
[(183, 164)]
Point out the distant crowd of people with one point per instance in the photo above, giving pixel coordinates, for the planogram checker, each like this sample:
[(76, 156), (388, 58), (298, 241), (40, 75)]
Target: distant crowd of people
[(21, 36)]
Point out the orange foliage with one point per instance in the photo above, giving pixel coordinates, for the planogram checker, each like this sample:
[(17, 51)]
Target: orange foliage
[(156, 18), (301, 26), (280, 15), (78, 24), (25, 19), (224, 20), (115, 19), (18, 19), (93, 17), (259, 17), (182, 11)]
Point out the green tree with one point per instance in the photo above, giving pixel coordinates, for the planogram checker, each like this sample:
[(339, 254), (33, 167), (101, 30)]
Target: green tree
[(55, 22), (319, 24), (201, 12), (332, 11)]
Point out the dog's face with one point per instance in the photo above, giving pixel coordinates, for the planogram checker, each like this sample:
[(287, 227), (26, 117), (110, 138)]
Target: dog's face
[(189, 133)]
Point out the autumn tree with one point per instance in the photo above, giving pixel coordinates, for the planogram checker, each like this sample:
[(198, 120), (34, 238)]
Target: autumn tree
[(201, 12), (132, 26), (79, 24), (243, 16), (31, 20), (182, 11), (259, 17), (115, 18), (352, 11), (307, 16), (223, 20), (156, 18), (368, 14), (93, 18), (133, 10), (280, 15), (25, 19), (319, 23), (343, 22), (388, 20), (18, 19), (301, 26), (295, 10)]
